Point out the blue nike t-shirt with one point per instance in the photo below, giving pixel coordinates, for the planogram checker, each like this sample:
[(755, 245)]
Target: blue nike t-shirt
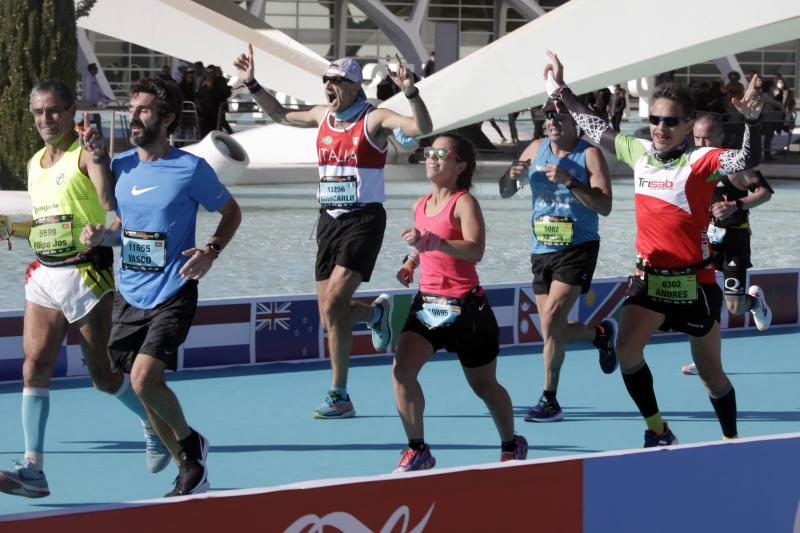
[(157, 202)]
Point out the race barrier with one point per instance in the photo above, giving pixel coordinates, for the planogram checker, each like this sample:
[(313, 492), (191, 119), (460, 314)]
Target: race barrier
[(268, 329), (735, 486)]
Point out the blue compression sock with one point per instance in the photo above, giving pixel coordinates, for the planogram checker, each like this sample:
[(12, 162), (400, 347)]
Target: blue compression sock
[(129, 399), (35, 408)]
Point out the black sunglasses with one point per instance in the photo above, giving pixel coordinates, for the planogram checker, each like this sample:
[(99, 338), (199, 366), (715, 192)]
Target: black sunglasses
[(336, 80), (671, 122), (554, 115)]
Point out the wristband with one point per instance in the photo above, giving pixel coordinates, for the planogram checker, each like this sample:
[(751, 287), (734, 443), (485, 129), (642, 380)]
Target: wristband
[(253, 86), (573, 184), (414, 93), (740, 206), (413, 257), (100, 159)]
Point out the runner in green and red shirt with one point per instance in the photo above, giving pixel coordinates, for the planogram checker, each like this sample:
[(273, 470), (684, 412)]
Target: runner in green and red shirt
[(674, 286)]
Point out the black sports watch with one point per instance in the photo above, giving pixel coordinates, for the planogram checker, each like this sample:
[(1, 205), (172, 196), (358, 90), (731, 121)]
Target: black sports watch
[(215, 248)]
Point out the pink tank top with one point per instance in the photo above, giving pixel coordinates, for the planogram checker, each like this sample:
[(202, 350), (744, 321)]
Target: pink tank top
[(441, 273)]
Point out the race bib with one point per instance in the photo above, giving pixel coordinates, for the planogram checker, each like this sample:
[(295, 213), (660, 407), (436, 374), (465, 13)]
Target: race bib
[(52, 235), (715, 234), (437, 312), (553, 231), (144, 251), (338, 191), (680, 289)]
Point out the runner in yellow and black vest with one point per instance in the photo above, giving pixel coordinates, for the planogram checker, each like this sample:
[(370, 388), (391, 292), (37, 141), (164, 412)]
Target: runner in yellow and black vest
[(70, 185)]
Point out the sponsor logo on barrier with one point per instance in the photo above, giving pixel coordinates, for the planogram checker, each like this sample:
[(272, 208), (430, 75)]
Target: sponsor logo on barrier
[(348, 523)]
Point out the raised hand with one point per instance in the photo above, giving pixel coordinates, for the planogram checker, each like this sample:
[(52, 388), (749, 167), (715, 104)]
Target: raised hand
[(750, 104), (403, 78), (91, 139), (245, 67), (555, 67)]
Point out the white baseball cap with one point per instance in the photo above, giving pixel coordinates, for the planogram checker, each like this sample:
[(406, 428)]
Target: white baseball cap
[(347, 68)]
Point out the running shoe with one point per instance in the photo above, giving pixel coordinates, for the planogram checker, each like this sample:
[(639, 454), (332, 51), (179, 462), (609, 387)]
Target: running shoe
[(606, 345), (192, 471), (416, 460), (520, 453), (157, 454), (335, 406), (689, 370), (762, 314), (668, 438), (24, 480), (382, 329), (545, 411)]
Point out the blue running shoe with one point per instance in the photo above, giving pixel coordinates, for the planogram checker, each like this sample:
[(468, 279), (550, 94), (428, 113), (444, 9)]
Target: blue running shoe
[(668, 438), (416, 460), (335, 406), (606, 345), (158, 456), (519, 454), (382, 329), (24, 480), (545, 411)]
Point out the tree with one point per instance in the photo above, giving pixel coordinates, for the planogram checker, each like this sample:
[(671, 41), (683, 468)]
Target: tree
[(37, 42)]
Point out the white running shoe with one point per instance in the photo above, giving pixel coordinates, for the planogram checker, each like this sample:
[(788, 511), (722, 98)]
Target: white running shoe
[(382, 330), (24, 480), (689, 370), (762, 314), (158, 456)]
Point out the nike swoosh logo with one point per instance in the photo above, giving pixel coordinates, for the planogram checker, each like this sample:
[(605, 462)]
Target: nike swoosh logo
[(480, 307), (137, 192)]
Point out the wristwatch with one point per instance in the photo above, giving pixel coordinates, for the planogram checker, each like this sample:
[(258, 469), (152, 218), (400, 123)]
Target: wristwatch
[(215, 248)]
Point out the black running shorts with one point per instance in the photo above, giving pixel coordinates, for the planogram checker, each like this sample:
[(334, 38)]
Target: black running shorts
[(157, 332), (695, 319), (352, 241), (732, 258), (573, 265), (474, 335)]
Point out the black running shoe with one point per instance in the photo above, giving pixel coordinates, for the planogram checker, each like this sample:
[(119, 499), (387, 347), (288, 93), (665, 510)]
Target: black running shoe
[(606, 345), (192, 472)]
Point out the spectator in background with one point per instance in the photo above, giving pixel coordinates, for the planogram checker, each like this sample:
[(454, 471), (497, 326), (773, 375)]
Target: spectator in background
[(430, 65), (602, 101), (165, 74), (213, 92), (199, 74), (733, 89), (772, 114), (186, 85), (715, 99), (92, 93), (785, 95), (618, 104), (537, 117)]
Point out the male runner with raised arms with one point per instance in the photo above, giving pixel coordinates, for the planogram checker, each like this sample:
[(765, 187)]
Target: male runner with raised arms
[(70, 185), (729, 230), (674, 287), (351, 148), (158, 190), (570, 186)]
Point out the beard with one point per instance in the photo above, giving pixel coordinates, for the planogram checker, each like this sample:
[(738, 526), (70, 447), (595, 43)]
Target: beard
[(149, 134)]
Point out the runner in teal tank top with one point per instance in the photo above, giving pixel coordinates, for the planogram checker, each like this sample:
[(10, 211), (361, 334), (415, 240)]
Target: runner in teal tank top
[(570, 187)]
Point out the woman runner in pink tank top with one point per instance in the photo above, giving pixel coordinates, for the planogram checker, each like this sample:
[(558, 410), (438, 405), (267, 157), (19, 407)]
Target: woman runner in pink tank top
[(451, 310)]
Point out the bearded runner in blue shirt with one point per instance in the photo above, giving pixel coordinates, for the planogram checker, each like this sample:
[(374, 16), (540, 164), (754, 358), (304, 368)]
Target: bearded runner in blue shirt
[(158, 190)]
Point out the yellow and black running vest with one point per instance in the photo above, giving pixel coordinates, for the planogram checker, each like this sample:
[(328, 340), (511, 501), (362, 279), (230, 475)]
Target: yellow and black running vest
[(64, 201)]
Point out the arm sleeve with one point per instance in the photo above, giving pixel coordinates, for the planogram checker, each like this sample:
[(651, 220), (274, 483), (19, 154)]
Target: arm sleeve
[(748, 156), (206, 187), (596, 127)]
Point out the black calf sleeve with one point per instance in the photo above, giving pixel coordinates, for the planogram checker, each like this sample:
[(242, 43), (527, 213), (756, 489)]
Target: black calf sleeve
[(640, 387)]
